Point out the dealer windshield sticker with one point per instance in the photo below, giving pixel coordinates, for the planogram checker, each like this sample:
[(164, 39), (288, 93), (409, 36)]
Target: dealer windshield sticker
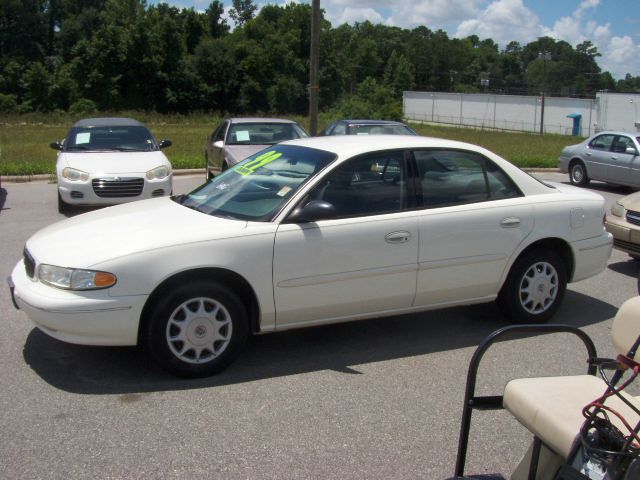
[(242, 136), (258, 162), (284, 190), (84, 137)]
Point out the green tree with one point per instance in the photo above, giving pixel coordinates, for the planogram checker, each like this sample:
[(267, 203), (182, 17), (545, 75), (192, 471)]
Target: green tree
[(217, 26), (242, 11)]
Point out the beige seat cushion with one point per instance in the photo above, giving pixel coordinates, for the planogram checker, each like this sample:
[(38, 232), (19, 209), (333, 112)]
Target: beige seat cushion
[(551, 407)]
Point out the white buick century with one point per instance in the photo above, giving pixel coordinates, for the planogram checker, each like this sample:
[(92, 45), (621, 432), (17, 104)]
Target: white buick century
[(310, 232)]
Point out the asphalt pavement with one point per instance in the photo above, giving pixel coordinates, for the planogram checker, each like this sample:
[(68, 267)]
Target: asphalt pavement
[(363, 400)]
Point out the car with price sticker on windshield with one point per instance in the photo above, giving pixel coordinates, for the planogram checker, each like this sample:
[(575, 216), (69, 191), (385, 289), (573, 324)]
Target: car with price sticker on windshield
[(311, 232)]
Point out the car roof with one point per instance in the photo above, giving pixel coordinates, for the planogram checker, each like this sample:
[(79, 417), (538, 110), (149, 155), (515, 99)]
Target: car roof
[(371, 122), (616, 132), (259, 120), (108, 122), (350, 145)]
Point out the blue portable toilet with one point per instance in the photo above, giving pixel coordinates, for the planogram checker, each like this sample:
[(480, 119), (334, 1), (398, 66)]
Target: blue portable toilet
[(577, 123)]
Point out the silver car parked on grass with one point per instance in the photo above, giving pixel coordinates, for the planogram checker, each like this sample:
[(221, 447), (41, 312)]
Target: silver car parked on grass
[(611, 157)]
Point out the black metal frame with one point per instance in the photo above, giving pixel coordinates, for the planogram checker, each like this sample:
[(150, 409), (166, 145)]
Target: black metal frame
[(494, 402)]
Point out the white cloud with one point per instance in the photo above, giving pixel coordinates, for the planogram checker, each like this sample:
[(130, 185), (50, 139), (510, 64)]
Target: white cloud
[(503, 21), (407, 14), (353, 15)]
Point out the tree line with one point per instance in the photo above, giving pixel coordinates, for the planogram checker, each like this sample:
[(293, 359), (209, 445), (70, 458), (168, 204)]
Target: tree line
[(107, 55)]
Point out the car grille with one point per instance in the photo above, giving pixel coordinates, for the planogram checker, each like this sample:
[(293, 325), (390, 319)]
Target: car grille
[(633, 217), (29, 264), (627, 246), (117, 187)]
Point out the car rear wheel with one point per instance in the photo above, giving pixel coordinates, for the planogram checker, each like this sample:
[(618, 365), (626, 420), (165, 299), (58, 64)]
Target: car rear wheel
[(578, 174), (197, 330), (534, 288)]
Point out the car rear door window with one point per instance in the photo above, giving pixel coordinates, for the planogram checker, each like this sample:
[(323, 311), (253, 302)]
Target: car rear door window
[(456, 177), (622, 143)]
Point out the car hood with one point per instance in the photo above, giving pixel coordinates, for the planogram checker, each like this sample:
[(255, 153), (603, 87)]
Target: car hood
[(237, 153), (114, 232), (631, 202), (112, 162)]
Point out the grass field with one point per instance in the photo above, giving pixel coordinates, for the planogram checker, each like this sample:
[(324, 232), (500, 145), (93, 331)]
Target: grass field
[(24, 140)]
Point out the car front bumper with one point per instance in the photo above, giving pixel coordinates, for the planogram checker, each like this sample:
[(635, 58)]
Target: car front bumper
[(85, 193), (86, 318), (626, 236)]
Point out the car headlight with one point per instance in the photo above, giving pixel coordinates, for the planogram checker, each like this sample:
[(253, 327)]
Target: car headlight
[(75, 175), (618, 210), (158, 173), (75, 278)]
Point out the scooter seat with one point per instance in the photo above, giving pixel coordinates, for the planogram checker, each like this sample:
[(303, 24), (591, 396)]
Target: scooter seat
[(551, 407)]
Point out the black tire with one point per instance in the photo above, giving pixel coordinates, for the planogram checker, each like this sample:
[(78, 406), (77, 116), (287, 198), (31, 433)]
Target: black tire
[(208, 174), (63, 207), (196, 347), (534, 288), (578, 174)]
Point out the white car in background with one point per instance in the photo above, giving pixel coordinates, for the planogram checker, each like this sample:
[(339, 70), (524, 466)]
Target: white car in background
[(106, 161), (311, 232)]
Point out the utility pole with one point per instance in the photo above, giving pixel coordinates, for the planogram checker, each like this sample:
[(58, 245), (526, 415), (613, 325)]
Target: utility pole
[(544, 56), (314, 67)]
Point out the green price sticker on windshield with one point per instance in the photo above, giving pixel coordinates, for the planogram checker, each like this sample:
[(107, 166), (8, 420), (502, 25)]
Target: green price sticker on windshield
[(258, 162)]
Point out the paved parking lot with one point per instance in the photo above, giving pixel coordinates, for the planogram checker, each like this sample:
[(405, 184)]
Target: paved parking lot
[(371, 399)]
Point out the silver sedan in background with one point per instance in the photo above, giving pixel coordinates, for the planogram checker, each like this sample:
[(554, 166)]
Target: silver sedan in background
[(606, 156), (237, 138)]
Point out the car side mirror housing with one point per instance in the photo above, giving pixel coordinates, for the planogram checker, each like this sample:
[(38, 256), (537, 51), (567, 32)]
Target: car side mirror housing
[(313, 211), (56, 145), (219, 144), (631, 151), (165, 143)]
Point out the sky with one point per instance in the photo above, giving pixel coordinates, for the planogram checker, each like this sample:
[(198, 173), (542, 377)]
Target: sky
[(612, 25)]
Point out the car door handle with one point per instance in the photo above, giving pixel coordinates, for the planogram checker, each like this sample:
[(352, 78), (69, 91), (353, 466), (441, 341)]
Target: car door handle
[(510, 222), (397, 237)]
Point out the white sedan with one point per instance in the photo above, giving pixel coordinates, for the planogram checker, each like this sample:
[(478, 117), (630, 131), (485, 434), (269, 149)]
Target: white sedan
[(311, 232), (106, 161)]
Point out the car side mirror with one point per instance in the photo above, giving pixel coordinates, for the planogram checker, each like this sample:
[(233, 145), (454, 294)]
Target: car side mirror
[(165, 143), (56, 145), (219, 144), (313, 211), (632, 151)]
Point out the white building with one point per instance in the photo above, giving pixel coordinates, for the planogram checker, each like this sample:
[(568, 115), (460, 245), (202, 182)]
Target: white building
[(609, 111)]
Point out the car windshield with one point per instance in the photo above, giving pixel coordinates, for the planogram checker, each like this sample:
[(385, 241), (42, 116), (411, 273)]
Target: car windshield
[(263, 133), (380, 130), (115, 138), (256, 188)]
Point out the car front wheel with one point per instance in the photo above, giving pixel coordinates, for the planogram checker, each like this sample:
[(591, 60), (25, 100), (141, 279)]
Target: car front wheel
[(63, 207), (578, 174), (534, 288), (197, 330)]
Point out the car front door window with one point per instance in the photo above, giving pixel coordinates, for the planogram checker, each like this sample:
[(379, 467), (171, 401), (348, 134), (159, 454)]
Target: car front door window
[(370, 185)]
